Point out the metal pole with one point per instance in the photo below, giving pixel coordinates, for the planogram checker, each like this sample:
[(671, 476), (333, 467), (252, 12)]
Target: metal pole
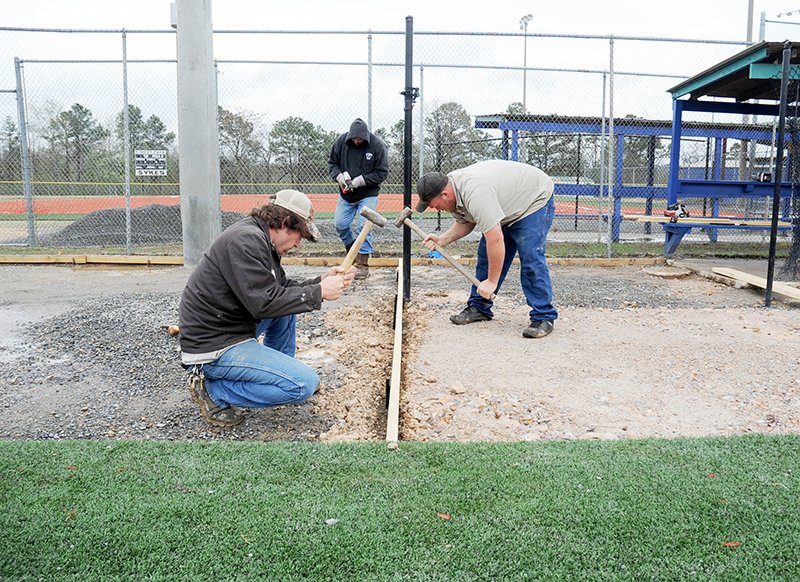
[(421, 169), (410, 93), (776, 198), (611, 145), (577, 181), (523, 26), (525, 71), (522, 154), (369, 81), (126, 139), (746, 144), (197, 130), (602, 175), (27, 185)]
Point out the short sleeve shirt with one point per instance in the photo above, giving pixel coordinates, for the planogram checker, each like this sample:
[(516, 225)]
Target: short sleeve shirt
[(499, 192)]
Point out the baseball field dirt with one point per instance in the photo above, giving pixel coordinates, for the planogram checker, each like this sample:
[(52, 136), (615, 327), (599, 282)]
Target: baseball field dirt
[(638, 351)]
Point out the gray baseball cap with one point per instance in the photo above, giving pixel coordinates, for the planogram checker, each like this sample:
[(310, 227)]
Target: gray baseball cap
[(429, 187)]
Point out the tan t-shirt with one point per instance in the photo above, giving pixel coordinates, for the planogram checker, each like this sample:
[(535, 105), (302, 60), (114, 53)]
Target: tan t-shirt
[(499, 192)]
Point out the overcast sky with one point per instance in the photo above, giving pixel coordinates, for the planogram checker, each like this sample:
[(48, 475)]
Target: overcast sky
[(712, 19), (270, 92)]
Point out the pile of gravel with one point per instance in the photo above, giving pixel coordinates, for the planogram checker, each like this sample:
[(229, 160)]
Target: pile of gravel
[(153, 224), (160, 224)]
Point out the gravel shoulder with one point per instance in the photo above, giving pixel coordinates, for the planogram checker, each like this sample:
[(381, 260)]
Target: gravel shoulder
[(634, 355)]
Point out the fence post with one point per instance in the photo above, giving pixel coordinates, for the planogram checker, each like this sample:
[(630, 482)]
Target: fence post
[(421, 169), (603, 145), (369, 81), (778, 176), (410, 94), (27, 186), (126, 139), (611, 149)]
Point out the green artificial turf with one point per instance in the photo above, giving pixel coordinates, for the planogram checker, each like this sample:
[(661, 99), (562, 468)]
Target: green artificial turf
[(685, 509)]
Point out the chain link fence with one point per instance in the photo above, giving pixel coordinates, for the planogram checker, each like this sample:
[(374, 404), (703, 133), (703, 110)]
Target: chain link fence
[(103, 181)]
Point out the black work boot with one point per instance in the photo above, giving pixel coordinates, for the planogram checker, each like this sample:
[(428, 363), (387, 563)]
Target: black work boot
[(362, 266), (214, 414), (469, 314), (538, 329)]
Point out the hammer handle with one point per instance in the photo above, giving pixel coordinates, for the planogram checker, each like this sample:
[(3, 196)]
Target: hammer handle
[(459, 267), (351, 254)]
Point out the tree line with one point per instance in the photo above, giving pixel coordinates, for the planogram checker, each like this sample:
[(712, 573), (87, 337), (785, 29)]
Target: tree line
[(72, 146)]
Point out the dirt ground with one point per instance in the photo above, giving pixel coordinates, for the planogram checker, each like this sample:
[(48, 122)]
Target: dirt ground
[(636, 352), (689, 357)]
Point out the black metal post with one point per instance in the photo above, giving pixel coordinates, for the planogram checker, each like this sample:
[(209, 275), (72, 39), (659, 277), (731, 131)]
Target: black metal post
[(776, 197), (651, 179), (577, 181), (410, 93)]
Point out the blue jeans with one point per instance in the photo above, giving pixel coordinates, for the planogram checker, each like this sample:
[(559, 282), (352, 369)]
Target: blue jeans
[(255, 376), (528, 237), (343, 220)]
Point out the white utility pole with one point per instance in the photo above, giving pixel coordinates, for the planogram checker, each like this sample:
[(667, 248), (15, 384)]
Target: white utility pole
[(198, 133)]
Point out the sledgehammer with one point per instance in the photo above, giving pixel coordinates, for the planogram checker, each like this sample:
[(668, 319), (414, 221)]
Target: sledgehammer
[(404, 218), (373, 218)]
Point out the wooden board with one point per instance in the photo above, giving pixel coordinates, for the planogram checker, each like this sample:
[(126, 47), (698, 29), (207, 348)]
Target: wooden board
[(777, 287), (91, 260), (702, 220), (393, 412), (315, 261)]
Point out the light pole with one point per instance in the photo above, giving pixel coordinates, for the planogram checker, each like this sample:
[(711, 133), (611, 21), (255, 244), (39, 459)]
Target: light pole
[(523, 25)]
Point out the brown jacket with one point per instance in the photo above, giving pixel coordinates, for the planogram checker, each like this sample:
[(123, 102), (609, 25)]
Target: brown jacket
[(238, 282)]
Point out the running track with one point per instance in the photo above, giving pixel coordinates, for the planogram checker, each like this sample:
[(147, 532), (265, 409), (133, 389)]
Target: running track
[(230, 203)]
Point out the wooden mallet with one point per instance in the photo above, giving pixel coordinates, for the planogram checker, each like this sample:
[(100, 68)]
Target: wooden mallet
[(404, 218), (372, 218)]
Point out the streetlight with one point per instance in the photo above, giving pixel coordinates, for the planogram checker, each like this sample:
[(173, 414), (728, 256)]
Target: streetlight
[(523, 25)]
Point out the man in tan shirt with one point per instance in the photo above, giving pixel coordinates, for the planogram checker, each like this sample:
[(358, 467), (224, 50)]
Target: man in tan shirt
[(512, 205)]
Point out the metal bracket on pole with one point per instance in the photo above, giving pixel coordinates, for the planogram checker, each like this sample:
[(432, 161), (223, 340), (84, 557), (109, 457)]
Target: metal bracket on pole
[(413, 92)]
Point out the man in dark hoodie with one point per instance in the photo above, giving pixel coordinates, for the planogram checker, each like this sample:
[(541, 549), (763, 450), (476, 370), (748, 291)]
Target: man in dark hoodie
[(359, 163)]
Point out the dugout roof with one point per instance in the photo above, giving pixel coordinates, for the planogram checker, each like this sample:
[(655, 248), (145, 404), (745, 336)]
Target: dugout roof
[(754, 73)]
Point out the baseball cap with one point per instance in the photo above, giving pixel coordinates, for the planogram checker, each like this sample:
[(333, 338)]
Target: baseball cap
[(429, 187), (299, 204)]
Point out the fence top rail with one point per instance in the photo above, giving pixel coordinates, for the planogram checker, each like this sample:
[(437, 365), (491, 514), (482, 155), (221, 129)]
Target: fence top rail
[(609, 37), (364, 64)]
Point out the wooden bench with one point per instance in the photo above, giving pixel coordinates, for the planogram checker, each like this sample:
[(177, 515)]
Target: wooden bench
[(675, 230)]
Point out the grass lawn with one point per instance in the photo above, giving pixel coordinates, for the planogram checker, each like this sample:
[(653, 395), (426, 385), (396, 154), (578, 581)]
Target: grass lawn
[(686, 509)]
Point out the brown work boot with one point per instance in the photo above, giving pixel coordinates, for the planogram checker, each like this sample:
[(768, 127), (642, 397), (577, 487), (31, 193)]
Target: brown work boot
[(362, 266), (214, 414)]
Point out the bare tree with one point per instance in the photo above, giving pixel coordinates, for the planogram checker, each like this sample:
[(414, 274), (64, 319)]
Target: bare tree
[(451, 141), (240, 147)]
